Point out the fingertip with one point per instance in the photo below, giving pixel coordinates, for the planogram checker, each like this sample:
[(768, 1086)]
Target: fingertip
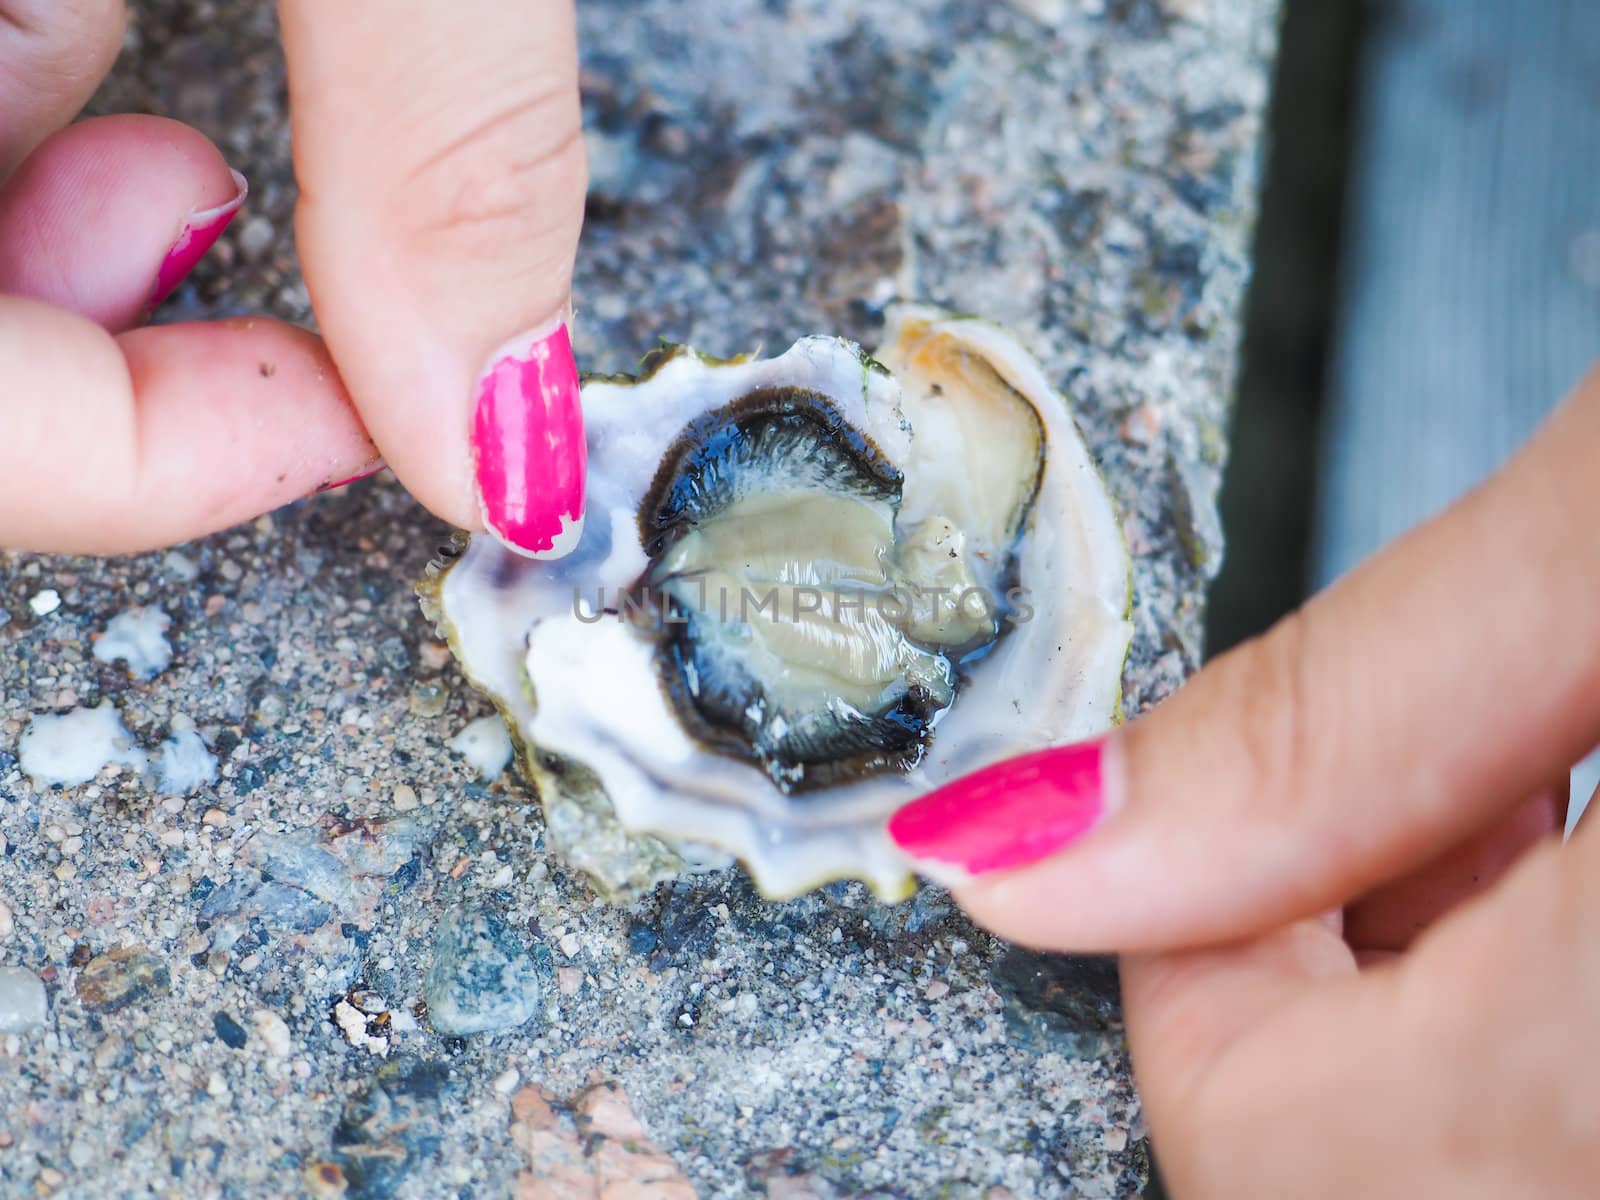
[(110, 213)]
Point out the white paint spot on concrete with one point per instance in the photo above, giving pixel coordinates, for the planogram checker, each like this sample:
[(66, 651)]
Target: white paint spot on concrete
[(71, 748), (486, 745), (185, 764), (138, 638)]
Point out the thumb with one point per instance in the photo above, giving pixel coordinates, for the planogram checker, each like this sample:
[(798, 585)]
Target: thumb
[(441, 165), (1407, 707)]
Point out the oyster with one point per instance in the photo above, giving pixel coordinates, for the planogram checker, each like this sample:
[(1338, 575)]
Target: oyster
[(810, 588)]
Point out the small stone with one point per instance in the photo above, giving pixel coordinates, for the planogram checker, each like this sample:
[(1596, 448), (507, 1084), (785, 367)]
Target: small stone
[(937, 990), (122, 977), (325, 1180), (23, 1004), (1063, 1003), (404, 798), (109, 1052), (482, 978), (256, 236), (181, 567), (390, 1129), (352, 1022), (569, 945), (506, 1082), (428, 699), (7, 924), (394, 653), (435, 656), (229, 1031), (44, 603), (273, 1030), (569, 980), (216, 1085)]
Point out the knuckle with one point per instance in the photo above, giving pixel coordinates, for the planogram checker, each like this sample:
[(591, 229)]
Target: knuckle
[(517, 176), (65, 41)]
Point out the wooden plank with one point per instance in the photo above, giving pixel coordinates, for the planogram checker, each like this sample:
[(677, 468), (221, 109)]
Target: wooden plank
[(1472, 262)]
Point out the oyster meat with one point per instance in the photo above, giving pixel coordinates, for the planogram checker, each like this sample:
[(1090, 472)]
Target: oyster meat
[(810, 588)]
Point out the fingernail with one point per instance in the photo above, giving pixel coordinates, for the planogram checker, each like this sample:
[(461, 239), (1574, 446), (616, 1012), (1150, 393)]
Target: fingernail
[(200, 233), (528, 445), (1010, 814), (339, 483)]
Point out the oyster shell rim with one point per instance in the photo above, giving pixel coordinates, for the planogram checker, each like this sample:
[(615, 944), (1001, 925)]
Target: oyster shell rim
[(662, 858)]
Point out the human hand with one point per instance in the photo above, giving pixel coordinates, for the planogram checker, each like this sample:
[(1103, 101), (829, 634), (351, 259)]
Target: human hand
[(1394, 755), (441, 166)]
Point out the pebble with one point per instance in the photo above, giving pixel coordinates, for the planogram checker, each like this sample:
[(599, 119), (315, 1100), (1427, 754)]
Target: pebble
[(180, 567), (6, 922), (404, 798), (482, 978), (569, 980), (273, 1031), (44, 603), (1058, 1002), (435, 656), (506, 1082), (23, 1004), (138, 639), (429, 700), (122, 977), (229, 1031), (363, 1018), (256, 237)]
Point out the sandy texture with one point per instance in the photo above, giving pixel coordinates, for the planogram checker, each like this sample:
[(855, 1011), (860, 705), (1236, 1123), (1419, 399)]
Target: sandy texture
[(1081, 170)]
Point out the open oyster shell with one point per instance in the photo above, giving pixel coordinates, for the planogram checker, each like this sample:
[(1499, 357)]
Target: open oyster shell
[(810, 588)]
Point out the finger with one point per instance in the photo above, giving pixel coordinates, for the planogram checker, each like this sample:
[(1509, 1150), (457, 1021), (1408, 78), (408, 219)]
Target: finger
[(53, 54), (1342, 1085), (1400, 711), (108, 215), (1195, 1020), (442, 174), (116, 445), (1391, 917)]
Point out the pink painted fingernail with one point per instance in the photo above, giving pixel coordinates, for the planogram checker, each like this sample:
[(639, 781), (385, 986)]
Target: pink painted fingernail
[(200, 233), (528, 443), (357, 478), (1010, 814)]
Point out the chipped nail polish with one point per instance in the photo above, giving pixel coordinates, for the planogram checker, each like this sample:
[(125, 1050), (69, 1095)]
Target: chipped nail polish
[(357, 478), (530, 456), (200, 233)]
